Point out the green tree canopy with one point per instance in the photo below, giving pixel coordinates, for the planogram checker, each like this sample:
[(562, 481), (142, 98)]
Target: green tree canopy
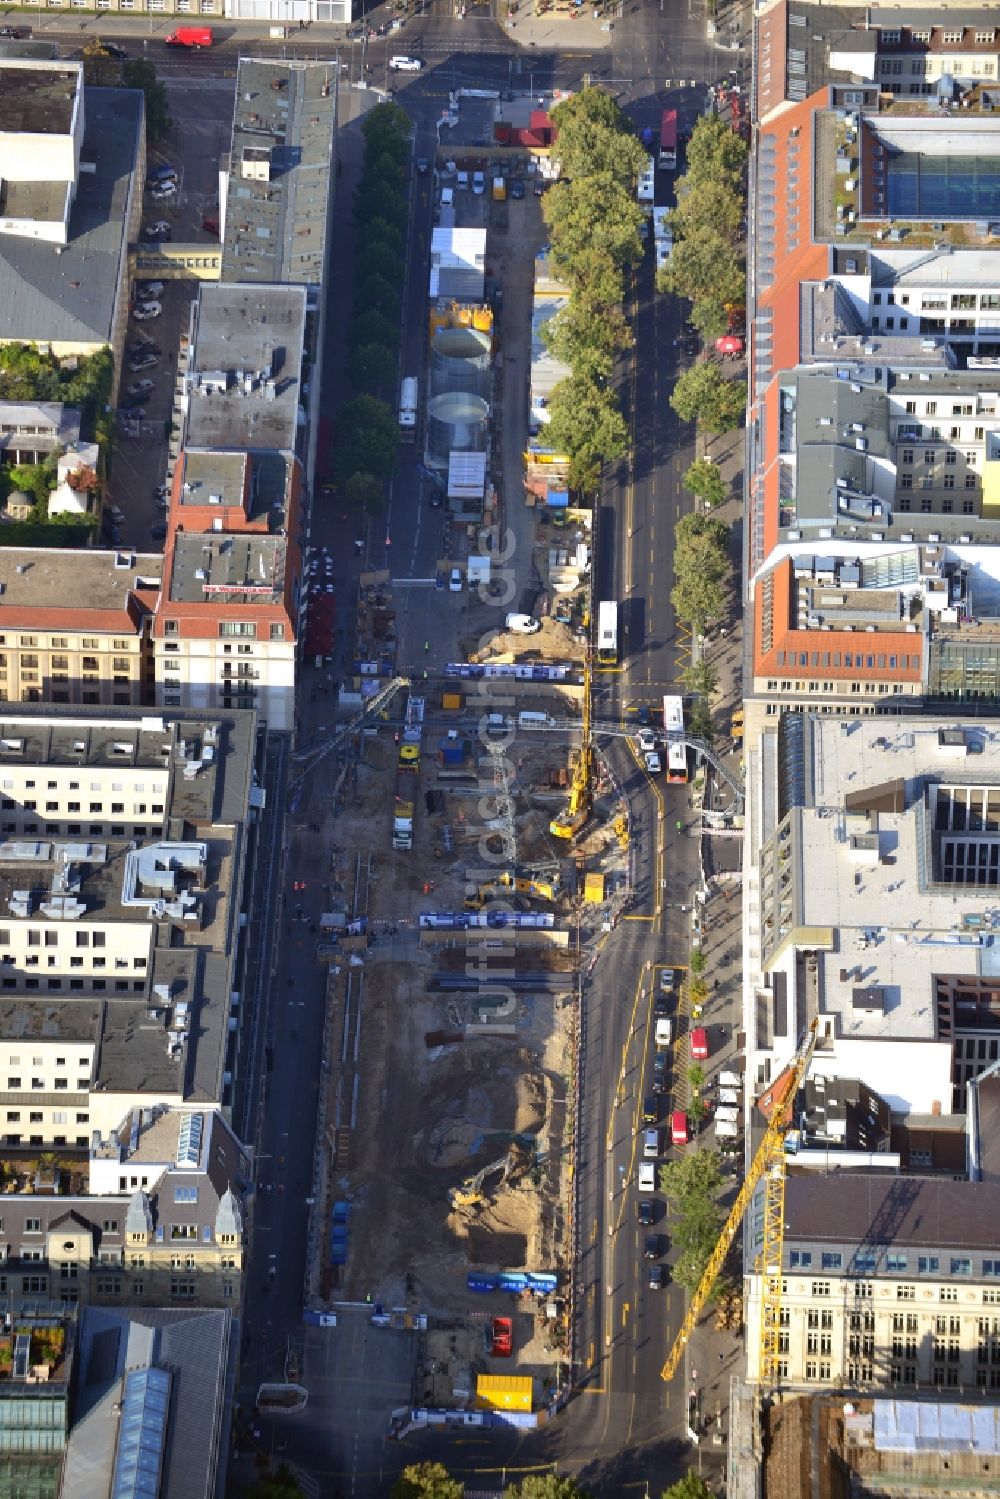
[(703, 265), (586, 422), (716, 154), (702, 726), (701, 566), (709, 316), (364, 493), (595, 276), (692, 1183), (700, 677), (592, 213), (697, 962), (596, 137), (140, 74), (386, 127), (377, 200), (427, 1481), (373, 368), (588, 341), (705, 205), (546, 1486), (380, 260), (691, 1486), (380, 295), (381, 232), (369, 326), (702, 393), (279, 1485), (365, 437), (704, 478)]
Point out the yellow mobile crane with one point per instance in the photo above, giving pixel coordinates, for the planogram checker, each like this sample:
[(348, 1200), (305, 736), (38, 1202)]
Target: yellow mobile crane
[(507, 883), (769, 1161), (576, 813)]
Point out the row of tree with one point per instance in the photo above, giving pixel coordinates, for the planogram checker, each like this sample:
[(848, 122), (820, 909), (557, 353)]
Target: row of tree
[(366, 433), (102, 70), (593, 221), (701, 569), (432, 1481), (692, 1183)]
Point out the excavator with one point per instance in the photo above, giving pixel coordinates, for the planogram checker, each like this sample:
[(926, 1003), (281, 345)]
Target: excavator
[(576, 813), (508, 883), (471, 1192)]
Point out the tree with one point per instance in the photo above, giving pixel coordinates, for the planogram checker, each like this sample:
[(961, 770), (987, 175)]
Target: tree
[(546, 1486), (594, 276), (692, 1183), (697, 962), (696, 1111), (140, 74), (703, 204), (700, 722), (703, 394), (364, 493), (696, 1077), (279, 1485), (700, 677), (100, 69), (427, 1481), (586, 422), (691, 1486), (381, 232), (365, 437), (716, 154), (387, 171), (592, 212), (381, 295), (369, 326), (373, 368), (701, 564), (693, 1178), (380, 260), (595, 137), (709, 316), (386, 128), (587, 341), (375, 200), (703, 265), (704, 478)]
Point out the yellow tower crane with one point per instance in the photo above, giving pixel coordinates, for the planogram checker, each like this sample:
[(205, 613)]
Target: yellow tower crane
[(576, 813), (769, 1162)]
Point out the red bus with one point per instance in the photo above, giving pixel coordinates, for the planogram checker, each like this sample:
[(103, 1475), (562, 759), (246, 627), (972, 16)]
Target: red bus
[(668, 140)]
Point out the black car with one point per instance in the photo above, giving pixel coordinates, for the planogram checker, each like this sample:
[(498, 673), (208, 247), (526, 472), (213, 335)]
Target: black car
[(158, 532), (113, 50), (517, 189), (652, 1247), (660, 1073), (15, 33), (645, 1212), (650, 1110), (437, 498), (656, 1280), (129, 403)]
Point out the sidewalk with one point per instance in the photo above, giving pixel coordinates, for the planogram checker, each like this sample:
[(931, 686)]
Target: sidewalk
[(584, 30)]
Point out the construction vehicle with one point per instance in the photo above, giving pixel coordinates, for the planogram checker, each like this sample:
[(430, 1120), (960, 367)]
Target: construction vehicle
[(576, 814), (472, 1191), (407, 775), (769, 1162), (508, 883)]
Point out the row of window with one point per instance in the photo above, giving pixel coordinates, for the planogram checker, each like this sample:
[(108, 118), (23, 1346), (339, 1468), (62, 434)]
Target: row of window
[(850, 660), (73, 829), (931, 67), (88, 985), (894, 1262), (36, 1116), (60, 695)]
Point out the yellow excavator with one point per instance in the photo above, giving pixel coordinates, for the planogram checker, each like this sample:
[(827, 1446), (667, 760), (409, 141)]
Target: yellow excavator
[(576, 813), (472, 1191), (513, 884)]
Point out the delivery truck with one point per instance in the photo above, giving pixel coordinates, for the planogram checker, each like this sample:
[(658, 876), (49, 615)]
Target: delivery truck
[(408, 407), (192, 37)]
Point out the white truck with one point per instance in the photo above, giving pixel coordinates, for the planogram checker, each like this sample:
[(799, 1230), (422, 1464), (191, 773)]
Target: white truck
[(729, 1080), (408, 407), (725, 1129), (727, 1116)]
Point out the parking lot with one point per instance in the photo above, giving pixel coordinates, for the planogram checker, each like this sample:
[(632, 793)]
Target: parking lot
[(155, 346)]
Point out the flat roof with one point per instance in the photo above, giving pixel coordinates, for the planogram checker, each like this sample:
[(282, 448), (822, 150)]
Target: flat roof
[(285, 116), (66, 581), (213, 478), (258, 484), (240, 568), (38, 99), (71, 297), (243, 384), (842, 1207)]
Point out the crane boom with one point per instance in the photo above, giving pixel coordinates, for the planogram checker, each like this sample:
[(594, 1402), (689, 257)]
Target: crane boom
[(770, 1159)]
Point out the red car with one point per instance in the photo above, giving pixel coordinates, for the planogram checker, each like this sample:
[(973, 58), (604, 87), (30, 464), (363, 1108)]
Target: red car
[(210, 226)]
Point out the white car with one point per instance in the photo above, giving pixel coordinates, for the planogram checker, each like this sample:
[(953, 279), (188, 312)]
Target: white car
[(455, 580), (145, 311), (479, 183), (522, 624), (647, 1176), (162, 190), (651, 760), (646, 741), (139, 388), (405, 64)]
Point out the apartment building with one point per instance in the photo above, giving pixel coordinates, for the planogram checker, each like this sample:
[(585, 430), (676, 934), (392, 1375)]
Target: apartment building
[(76, 626), (72, 162), (31, 431), (887, 1281), (871, 869), (122, 867), (226, 627)]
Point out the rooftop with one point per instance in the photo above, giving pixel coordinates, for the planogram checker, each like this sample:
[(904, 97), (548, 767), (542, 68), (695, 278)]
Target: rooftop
[(243, 385), (37, 98), (242, 489), (282, 164), (247, 568), (844, 1207), (70, 297), (89, 589)]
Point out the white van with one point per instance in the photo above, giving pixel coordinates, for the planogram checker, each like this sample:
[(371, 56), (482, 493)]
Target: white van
[(729, 1080), (647, 1176), (664, 1033), (729, 1096), (522, 624), (533, 720), (462, 181)]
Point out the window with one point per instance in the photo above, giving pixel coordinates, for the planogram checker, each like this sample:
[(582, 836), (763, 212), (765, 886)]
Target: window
[(864, 1261), (237, 627), (948, 1293), (928, 1264), (185, 1194), (906, 1293), (960, 1265), (832, 1260), (895, 1262), (32, 1225), (821, 1288), (799, 1259), (182, 1289)]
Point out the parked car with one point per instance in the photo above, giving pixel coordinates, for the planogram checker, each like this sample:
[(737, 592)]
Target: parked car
[(651, 1144), (647, 1176), (651, 760), (479, 183), (15, 33), (522, 624), (646, 741), (667, 980), (652, 1247), (660, 1073), (148, 291), (210, 226), (162, 191), (158, 230), (455, 580), (159, 173), (517, 189), (146, 311), (159, 531), (139, 387), (143, 362), (131, 403), (538, 189), (423, 165)]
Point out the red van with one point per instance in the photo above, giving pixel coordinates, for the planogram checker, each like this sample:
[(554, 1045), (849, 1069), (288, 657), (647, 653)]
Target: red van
[(699, 1044), (678, 1127)]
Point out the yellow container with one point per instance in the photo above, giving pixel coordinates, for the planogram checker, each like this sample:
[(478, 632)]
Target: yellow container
[(593, 889), (451, 702), (503, 1392)]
